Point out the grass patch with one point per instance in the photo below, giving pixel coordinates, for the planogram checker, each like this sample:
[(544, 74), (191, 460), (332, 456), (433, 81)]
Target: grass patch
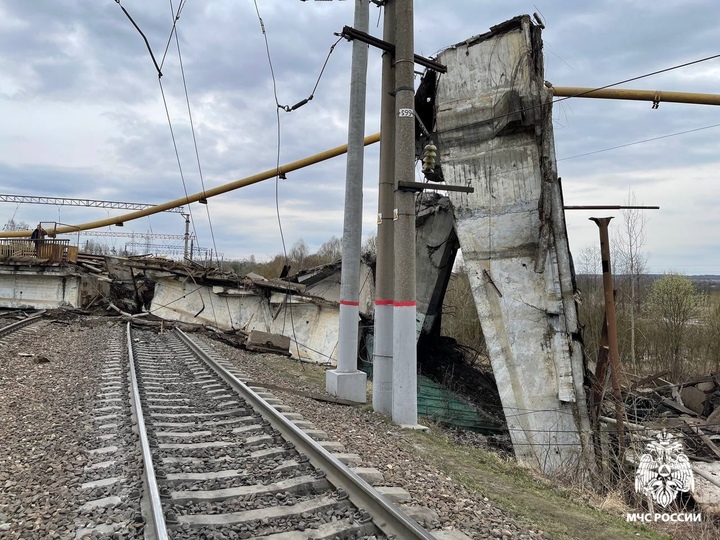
[(531, 500)]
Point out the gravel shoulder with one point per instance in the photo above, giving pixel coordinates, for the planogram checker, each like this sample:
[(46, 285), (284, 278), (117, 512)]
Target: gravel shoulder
[(471, 489), (43, 401)]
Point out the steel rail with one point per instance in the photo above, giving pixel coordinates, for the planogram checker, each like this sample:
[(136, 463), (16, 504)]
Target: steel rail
[(12, 327), (158, 518), (390, 519)]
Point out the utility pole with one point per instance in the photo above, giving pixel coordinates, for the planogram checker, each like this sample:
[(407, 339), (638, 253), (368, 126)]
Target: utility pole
[(384, 287), (404, 377), (187, 235), (346, 381)]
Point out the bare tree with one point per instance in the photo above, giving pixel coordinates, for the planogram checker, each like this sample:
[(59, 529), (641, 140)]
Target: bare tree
[(298, 254), (591, 301), (369, 247), (330, 251), (13, 225), (630, 260)]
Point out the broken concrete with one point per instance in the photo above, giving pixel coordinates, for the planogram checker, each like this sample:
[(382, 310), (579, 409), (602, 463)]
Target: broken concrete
[(436, 246), (495, 134)]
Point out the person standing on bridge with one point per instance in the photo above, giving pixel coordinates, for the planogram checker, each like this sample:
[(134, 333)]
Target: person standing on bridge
[(37, 236)]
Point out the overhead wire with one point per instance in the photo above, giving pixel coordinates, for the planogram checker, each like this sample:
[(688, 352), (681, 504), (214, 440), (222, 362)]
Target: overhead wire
[(278, 143), (639, 142), (286, 108), (165, 105), (176, 17), (195, 144)]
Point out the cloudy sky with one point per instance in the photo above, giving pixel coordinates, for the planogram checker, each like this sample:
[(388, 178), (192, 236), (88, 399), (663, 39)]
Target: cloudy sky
[(82, 114)]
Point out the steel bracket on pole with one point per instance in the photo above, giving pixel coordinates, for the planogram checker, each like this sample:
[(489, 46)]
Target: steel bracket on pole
[(350, 33), (420, 186)]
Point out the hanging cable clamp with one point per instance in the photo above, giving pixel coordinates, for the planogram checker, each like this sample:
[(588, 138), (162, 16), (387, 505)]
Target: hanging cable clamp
[(656, 101), (298, 104)]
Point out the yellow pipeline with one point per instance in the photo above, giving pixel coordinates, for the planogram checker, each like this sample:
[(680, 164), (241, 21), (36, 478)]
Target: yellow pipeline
[(272, 173), (655, 96)]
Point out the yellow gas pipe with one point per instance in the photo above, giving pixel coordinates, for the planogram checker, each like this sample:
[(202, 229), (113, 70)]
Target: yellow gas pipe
[(654, 96), (272, 173)]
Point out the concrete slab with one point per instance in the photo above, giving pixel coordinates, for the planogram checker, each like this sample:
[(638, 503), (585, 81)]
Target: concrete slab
[(349, 386), (394, 494), (259, 439), (185, 477), (105, 417), (268, 452), (184, 434), (348, 459), (300, 484), (232, 403), (370, 474), (103, 450), (422, 514), (100, 530), (317, 434), (276, 512), (450, 535), (102, 483), (195, 446), (105, 502), (332, 446), (99, 465), (327, 531), (246, 429), (229, 412)]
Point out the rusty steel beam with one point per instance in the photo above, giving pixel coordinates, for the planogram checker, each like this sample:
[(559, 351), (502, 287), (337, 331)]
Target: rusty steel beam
[(602, 223)]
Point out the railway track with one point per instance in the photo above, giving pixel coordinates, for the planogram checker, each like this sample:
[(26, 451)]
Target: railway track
[(221, 459), (11, 328)]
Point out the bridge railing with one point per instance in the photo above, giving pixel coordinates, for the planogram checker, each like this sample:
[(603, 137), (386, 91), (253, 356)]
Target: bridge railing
[(47, 249)]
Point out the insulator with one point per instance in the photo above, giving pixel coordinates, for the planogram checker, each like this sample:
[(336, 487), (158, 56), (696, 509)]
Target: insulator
[(429, 154)]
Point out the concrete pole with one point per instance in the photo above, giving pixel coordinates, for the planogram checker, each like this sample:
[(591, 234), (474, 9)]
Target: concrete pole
[(404, 379), (603, 223), (346, 382), (187, 234), (383, 346)]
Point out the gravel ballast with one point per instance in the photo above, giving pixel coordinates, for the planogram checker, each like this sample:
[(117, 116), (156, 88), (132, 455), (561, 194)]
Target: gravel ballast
[(383, 446), (49, 385)]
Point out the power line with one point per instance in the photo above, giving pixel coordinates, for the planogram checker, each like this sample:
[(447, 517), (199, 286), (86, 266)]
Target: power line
[(147, 43), (197, 153), (277, 169), (640, 142), (192, 124)]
